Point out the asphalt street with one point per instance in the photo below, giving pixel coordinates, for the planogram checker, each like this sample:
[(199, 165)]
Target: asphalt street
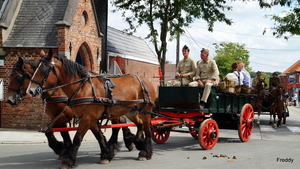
[(267, 148)]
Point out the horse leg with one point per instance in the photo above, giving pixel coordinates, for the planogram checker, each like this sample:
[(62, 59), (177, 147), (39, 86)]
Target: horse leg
[(60, 148), (107, 151), (258, 115), (67, 141), (113, 141), (139, 137), (274, 118), (68, 161), (128, 137), (271, 120), (279, 116), (147, 150), (258, 118), (56, 146)]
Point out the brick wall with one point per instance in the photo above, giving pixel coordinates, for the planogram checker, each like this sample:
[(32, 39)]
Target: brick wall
[(147, 70), (83, 37), (30, 113)]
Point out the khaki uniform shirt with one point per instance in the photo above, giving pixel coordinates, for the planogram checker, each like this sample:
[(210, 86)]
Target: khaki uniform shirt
[(207, 70), (275, 81), (254, 82), (186, 66)]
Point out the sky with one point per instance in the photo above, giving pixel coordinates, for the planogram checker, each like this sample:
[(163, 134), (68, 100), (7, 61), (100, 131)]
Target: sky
[(267, 53)]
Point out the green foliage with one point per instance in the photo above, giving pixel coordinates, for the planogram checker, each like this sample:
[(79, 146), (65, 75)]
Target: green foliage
[(266, 76), (289, 21), (228, 53), (167, 18)]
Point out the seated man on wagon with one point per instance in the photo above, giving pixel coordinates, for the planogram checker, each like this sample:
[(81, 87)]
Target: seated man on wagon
[(256, 79), (247, 77), (274, 82), (207, 75), (185, 70), (235, 74)]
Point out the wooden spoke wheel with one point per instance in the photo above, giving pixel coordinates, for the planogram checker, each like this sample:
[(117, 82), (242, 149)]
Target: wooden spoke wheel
[(208, 134), (160, 136), (194, 130), (194, 133), (246, 124)]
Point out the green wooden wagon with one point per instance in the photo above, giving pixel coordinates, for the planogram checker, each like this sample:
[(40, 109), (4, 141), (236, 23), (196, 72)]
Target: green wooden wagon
[(180, 106)]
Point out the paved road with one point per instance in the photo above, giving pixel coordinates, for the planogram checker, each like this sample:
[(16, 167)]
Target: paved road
[(267, 148)]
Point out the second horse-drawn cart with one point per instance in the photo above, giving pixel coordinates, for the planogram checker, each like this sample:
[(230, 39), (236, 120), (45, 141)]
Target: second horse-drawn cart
[(180, 106)]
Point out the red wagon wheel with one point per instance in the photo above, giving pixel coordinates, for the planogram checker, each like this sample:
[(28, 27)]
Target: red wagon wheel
[(246, 125), (160, 136), (194, 132), (194, 129), (208, 134)]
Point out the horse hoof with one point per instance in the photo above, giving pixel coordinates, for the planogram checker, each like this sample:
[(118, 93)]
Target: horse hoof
[(105, 161), (142, 159), (64, 166), (130, 148)]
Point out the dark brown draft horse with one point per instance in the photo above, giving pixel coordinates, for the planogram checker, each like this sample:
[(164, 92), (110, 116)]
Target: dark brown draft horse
[(91, 101), (19, 80), (276, 102), (55, 108), (257, 101)]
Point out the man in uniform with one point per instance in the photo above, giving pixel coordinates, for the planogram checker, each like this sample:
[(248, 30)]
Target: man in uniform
[(274, 81), (256, 79), (185, 70), (207, 75)]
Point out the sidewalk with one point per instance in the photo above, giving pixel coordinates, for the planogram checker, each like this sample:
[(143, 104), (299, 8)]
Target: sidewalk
[(23, 136)]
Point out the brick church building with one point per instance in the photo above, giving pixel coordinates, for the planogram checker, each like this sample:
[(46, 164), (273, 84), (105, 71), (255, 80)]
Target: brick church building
[(76, 29)]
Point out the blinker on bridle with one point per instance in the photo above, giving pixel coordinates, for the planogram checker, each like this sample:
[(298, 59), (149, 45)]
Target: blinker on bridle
[(45, 71), (19, 79)]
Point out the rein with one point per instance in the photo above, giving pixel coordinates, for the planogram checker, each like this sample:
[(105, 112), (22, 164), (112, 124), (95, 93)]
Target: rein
[(107, 84)]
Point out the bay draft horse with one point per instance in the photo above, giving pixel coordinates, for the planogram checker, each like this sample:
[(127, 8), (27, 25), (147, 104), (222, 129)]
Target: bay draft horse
[(131, 95), (55, 108), (276, 102), (257, 101)]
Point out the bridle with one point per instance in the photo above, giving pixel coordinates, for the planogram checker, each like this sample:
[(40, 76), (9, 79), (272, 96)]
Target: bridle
[(20, 78), (279, 96), (47, 67)]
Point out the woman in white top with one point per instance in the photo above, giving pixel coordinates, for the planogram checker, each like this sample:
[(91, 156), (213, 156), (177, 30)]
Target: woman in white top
[(236, 75)]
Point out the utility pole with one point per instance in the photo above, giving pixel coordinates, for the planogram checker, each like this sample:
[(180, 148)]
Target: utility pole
[(177, 49)]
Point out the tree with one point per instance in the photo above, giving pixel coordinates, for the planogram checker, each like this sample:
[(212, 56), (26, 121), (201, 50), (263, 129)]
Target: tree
[(289, 21), (167, 18), (228, 53)]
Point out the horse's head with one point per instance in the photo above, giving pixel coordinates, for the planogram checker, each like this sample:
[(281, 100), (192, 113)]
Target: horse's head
[(280, 92), (44, 71), (19, 80), (261, 85)]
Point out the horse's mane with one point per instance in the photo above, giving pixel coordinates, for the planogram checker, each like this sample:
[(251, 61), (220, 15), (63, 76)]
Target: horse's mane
[(33, 64), (72, 68)]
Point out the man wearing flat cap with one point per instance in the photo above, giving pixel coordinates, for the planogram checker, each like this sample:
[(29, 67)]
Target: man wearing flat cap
[(207, 75), (185, 70), (256, 79), (274, 82)]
